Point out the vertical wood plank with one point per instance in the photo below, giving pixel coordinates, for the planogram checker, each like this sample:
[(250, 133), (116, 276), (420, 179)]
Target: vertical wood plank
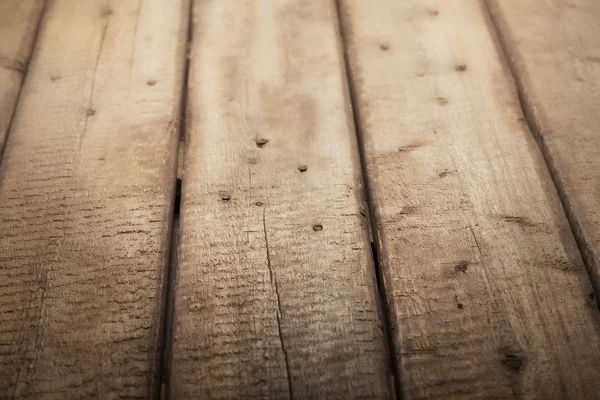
[(275, 295), (86, 188), (554, 50), (18, 22), (488, 294)]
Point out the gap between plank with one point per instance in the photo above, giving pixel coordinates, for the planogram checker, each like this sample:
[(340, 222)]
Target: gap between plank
[(174, 234), (24, 71), (535, 130), (384, 309)]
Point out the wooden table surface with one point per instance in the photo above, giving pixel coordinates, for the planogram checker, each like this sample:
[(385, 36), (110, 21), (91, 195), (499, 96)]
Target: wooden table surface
[(299, 199)]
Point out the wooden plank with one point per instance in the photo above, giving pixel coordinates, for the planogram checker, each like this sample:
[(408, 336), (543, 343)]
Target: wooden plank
[(554, 50), (488, 294), (86, 188), (18, 22), (275, 294)]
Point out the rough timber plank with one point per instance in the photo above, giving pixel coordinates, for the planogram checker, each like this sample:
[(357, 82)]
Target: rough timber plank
[(554, 49), (18, 22), (275, 293), (85, 197), (489, 296)]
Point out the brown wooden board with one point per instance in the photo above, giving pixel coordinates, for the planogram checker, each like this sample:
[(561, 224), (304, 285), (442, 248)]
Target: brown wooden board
[(18, 22), (275, 293), (488, 294), (86, 185), (554, 49)]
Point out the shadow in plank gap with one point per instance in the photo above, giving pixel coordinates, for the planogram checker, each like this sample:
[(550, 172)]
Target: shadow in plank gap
[(168, 318), (382, 291), (175, 233)]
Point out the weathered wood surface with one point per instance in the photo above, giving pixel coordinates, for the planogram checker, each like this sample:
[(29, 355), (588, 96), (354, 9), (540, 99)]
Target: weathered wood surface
[(275, 294), (554, 49), (86, 186), (18, 23), (489, 295)]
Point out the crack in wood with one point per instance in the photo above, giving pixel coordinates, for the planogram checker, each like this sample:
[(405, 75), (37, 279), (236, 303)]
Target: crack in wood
[(279, 311)]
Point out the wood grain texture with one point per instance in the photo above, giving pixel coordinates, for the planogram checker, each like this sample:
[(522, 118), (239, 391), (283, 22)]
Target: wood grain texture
[(554, 50), (488, 292), (86, 187), (18, 22), (275, 294)]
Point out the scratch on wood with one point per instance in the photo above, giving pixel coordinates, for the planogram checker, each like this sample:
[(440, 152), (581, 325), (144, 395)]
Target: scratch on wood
[(279, 312), (268, 253), (90, 98), (16, 65), (476, 241), (135, 33), (521, 221), (486, 279)]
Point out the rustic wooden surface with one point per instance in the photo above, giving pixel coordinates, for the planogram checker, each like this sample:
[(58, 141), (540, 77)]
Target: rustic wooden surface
[(85, 201), (554, 49), (18, 22), (275, 294), (488, 293)]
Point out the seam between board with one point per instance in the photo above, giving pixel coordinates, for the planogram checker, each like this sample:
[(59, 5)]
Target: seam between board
[(168, 310), (376, 250)]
